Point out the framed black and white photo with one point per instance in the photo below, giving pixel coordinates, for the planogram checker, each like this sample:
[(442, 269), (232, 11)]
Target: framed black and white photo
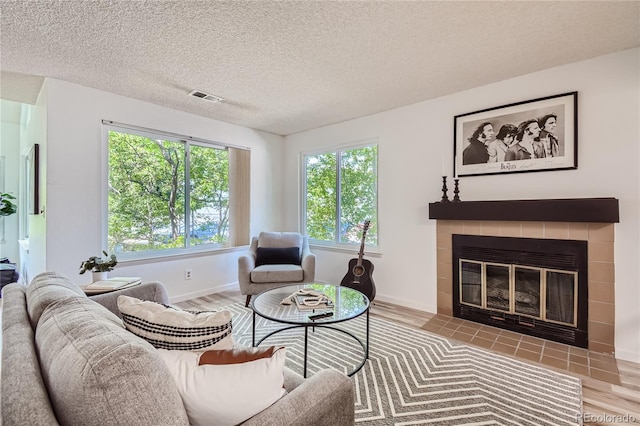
[(530, 136)]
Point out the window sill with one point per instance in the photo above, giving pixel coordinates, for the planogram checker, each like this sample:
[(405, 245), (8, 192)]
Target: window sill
[(339, 249), (155, 257)]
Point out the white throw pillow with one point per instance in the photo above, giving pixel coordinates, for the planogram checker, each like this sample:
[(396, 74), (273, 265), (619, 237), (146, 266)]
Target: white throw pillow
[(226, 393), (166, 327)]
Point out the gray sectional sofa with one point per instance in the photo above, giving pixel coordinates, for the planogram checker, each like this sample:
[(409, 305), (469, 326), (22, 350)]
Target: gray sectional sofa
[(67, 359)]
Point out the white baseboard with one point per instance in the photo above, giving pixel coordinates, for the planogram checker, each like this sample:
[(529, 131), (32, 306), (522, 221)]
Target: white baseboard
[(627, 356), (205, 292), (406, 303)]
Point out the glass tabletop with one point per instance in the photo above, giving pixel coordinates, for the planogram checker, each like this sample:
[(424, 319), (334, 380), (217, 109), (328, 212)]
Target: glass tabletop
[(347, 304)]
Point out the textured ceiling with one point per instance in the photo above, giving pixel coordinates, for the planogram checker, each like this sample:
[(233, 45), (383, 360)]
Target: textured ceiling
[(286, 67)]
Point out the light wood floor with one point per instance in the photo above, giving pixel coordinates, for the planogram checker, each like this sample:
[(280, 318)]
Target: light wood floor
[(610, 387)]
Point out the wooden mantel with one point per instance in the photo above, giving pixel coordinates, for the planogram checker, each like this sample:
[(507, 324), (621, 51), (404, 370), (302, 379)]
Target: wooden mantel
[(553, 210)]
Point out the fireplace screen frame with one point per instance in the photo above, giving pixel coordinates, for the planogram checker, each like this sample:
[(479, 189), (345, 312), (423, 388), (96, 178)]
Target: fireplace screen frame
[(542, 296), (551, 254)]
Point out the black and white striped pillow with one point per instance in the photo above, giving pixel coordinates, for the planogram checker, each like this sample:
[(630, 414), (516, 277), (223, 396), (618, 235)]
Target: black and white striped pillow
[(166, 327)]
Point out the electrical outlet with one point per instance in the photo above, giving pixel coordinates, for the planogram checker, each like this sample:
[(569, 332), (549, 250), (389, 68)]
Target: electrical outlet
[(187, 274)]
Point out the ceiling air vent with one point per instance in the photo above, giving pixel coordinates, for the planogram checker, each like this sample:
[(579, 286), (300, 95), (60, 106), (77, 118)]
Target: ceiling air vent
[(206, 96)]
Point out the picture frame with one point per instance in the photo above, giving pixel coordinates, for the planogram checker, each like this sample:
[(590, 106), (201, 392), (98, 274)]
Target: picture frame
[(513, 138), (32, 168)]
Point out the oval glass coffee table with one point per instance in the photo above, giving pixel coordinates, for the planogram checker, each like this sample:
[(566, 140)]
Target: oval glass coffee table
[(347, 305)]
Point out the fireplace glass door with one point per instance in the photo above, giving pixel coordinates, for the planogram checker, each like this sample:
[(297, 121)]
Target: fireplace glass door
[(498, 290), (531, 292), (471, 283), (528, 284), (561, 298)]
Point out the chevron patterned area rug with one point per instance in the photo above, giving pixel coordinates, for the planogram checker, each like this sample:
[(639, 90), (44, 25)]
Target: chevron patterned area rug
[(413, 377)]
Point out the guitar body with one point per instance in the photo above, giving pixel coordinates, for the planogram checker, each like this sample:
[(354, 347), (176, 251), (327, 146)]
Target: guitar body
[(360, 277)]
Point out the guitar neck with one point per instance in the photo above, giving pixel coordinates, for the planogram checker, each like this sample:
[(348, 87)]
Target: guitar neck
[(361, 253)]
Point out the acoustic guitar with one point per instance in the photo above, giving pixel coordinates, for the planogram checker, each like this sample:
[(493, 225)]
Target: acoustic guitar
[(359, 276)]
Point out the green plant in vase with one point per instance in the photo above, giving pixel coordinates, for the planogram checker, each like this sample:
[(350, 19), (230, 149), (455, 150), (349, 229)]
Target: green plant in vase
[(99, 266), (7, 208)]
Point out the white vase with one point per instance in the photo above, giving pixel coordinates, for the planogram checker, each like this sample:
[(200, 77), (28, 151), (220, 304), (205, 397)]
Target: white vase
[(99, 276)]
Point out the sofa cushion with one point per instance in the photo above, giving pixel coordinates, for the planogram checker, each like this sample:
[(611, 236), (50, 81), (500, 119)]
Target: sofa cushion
[(46, 288), (24, 397), (280, 239), (98, 373), (227, 387), (277, 274), (167, 327), (277, 256)]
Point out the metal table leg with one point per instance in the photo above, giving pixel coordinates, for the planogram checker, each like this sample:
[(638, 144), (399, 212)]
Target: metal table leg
[(253, 331), (306, 335)]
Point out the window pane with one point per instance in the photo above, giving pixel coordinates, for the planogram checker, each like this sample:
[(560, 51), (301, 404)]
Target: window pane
[(209, 198), (358, 194), (146, 193), (321, 196)]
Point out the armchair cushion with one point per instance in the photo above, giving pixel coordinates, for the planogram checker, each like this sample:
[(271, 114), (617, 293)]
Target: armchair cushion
[(277, 274), (278, 256)]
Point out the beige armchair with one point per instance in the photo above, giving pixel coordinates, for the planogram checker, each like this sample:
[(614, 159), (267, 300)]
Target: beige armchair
[(275, 259)]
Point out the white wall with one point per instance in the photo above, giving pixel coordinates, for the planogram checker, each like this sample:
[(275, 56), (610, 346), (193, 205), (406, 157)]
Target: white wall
[(33, 260), (413, 140), (10, 130), (74, 184)]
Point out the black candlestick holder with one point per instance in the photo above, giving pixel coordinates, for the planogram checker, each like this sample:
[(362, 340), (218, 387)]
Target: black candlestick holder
[(445, 197), (456, 191)]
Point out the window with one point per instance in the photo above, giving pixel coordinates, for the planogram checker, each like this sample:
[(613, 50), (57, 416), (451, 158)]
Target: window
[(168, 195), (340, 193)]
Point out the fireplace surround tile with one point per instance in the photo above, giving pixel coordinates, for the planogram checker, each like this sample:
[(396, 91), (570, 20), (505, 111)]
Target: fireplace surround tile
[(510, 229), (601, 271), (601, 251), (556, 230), (601, 265), (444, 255), (578, 231), (601, 292), (472, 227), (443, 284), (601, 232), (602, 312), (532, 230)]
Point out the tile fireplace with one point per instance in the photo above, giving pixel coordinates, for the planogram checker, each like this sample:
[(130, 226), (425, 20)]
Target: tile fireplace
[(511, 270)]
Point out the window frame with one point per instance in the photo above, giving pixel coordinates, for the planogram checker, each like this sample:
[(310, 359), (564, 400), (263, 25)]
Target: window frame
[(188, 141), (338, 150)]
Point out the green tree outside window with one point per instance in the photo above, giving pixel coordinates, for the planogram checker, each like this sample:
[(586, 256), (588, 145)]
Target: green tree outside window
[(165, 194), (340, 194)]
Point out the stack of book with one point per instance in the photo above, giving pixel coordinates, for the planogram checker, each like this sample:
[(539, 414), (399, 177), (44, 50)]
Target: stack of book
[(110, 284)]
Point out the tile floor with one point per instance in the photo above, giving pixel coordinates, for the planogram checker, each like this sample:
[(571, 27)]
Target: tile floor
[(556, 355)]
